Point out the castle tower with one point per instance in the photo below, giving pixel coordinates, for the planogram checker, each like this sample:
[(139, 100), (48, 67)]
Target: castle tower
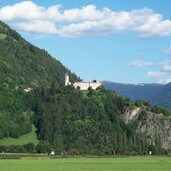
[(67, 79)]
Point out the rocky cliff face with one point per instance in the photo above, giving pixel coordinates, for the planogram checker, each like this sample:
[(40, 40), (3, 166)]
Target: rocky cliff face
[(156, 127), (131, 114)]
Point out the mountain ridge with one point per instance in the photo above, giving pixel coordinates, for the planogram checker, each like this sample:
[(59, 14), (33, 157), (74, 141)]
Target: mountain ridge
[(45, 69), (155, 94)]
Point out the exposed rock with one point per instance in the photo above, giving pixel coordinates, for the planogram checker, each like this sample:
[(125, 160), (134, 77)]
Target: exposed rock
[(156, 127), (131, 114)]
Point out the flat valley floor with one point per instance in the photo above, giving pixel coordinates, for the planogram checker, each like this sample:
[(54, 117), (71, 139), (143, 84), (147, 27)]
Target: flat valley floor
[(89, 164)]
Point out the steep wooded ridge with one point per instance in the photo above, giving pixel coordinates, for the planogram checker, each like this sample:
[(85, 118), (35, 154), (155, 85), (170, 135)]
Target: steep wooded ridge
[(155, 94), (22, 65), (68, 120)]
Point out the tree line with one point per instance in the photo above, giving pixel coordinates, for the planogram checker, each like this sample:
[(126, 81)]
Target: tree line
[(86, 122)]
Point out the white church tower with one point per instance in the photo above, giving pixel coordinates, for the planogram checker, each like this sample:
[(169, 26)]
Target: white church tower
[(67, 83)]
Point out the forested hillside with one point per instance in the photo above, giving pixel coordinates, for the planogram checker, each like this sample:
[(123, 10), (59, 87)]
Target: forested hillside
[(67, 120), (89, 122), (15, 120), (22, 65)]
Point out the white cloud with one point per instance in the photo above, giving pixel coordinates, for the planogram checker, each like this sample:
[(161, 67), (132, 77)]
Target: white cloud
[(166, 66), (39, 27), (140, 63), (30, 17), (156, 74), (168, 51), (164, 74), (165, 80)]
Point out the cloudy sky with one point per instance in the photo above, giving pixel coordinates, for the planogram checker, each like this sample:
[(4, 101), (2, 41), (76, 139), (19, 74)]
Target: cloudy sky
[(125, 41)]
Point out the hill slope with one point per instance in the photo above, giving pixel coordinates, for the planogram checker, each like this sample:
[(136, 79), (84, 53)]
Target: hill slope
[(22, 65), (92, 122), (22, 140), (26, 65)]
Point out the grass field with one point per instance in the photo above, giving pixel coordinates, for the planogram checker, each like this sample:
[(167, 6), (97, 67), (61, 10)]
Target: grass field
[(89, 164), (27, 138)]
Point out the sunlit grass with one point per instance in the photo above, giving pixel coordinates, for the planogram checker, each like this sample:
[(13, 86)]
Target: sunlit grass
[(25, 139), (89, 164)]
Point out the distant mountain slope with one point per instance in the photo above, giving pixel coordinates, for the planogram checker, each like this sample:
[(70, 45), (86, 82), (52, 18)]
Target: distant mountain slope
[(162, 97), (156, 94), (134, 91)]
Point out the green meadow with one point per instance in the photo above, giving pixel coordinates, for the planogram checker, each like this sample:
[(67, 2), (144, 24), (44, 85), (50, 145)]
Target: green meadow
[(24, 139), (88, 164)]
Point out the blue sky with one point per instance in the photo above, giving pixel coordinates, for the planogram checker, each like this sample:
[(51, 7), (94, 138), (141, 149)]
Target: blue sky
[(125, 41)]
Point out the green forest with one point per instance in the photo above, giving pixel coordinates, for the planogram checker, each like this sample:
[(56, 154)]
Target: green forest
[(67, 120), (72, 122), (22, 65)]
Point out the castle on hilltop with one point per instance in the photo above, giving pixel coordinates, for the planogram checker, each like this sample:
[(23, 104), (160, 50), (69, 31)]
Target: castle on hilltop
[(82, 85)]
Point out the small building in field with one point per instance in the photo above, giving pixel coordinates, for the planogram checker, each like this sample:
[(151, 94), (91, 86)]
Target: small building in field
[(82, 85)]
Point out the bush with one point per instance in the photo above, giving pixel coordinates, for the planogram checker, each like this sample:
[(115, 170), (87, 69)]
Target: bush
[(30, 147), (43, 147)]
